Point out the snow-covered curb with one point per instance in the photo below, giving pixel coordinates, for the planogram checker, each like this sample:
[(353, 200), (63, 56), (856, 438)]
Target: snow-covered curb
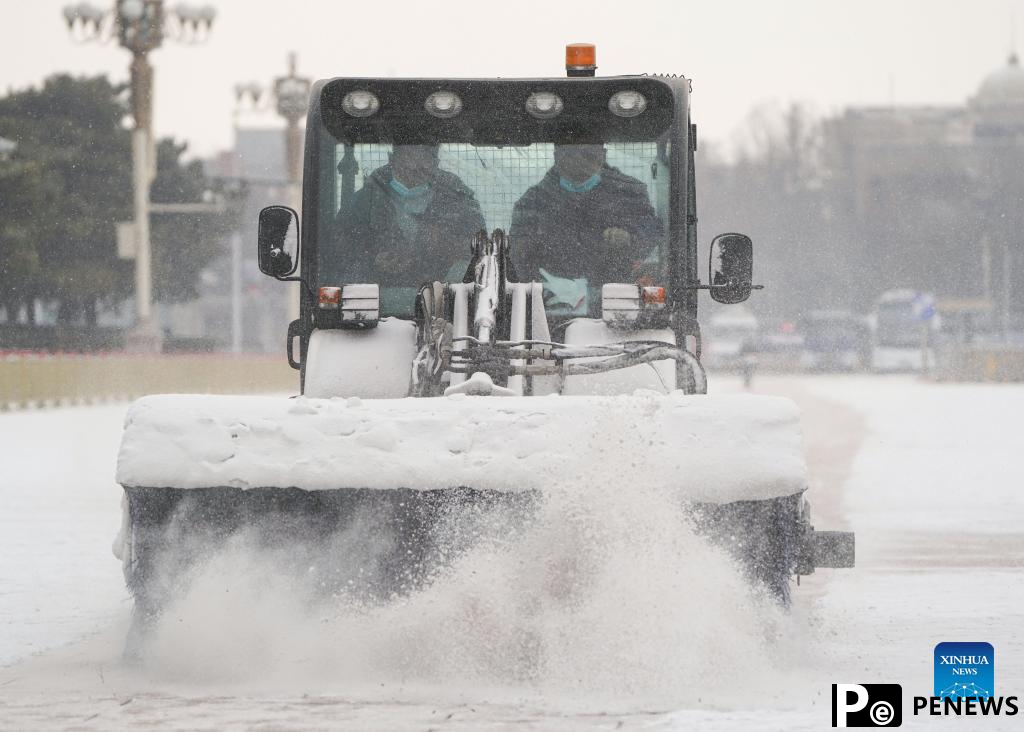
[(708, 448)]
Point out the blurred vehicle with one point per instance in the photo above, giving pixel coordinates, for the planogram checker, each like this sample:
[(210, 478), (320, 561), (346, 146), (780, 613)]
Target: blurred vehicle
[(834, 340), (778, 349), (903, 326), (729, 338)]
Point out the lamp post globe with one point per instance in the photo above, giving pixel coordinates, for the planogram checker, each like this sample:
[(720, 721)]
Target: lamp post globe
[(131, 10), (292, 96)]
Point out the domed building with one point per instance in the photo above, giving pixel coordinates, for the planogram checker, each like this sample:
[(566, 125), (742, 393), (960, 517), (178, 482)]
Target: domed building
[(998, 107), (932, 197)]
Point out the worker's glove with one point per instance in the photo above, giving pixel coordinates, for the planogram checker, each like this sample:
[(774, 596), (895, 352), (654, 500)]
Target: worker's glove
[(563, 294), (616, 238)]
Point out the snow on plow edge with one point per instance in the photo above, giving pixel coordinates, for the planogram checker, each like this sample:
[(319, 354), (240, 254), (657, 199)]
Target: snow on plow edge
[(708, 448)]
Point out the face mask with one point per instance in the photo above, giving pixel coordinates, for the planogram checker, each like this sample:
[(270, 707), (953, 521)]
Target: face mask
[(405, 192), (588, 185)]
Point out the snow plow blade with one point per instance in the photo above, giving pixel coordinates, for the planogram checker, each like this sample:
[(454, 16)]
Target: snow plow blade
[(372, 495)]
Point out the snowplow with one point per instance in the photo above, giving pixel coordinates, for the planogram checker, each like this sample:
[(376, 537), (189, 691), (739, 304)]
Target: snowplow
[(498, 285)]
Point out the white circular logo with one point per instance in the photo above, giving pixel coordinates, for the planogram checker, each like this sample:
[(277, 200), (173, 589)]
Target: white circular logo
[(881, 713)]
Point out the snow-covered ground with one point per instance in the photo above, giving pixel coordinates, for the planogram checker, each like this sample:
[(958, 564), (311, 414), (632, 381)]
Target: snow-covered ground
[(927, 475), (935, 493), (58, 515), (936, 496)]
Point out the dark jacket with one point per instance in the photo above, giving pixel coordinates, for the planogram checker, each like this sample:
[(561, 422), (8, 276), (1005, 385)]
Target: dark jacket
[(562, 231), (370, 225)]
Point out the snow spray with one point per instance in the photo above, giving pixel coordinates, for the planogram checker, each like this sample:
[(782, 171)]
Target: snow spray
[(606, 592)]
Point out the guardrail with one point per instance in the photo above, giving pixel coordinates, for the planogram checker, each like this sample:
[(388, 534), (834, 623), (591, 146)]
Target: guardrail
[(33, 379), (981, 363), (61, 338)]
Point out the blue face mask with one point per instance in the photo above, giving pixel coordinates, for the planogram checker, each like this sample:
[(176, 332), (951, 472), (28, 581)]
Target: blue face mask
[(588, 185), (405, 192)]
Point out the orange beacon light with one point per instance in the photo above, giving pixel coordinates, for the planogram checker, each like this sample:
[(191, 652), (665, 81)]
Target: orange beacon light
[(580, 59)]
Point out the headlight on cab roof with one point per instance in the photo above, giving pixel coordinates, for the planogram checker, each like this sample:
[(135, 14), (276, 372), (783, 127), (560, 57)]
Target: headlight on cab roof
[(443, 104), (360, 103), (544, 105), (627, 103)]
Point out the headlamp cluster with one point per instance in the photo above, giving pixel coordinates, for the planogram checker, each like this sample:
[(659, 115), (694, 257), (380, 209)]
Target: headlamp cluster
[(446, 104)]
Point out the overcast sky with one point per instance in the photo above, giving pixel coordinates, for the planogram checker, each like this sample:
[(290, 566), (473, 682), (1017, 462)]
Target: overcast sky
[(739, 53)]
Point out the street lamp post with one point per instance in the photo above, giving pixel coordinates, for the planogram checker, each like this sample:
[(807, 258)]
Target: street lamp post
[(290, 95), (141, 26)]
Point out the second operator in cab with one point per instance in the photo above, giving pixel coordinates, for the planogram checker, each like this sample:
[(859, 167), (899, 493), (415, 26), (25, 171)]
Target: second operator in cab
[(583, 225)]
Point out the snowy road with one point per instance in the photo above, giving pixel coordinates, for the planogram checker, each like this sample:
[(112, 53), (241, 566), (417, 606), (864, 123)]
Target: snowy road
[(929, 476), (58, 516)]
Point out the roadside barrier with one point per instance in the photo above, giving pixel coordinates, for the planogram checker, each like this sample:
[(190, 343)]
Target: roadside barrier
[(981, 364), (35, 379)]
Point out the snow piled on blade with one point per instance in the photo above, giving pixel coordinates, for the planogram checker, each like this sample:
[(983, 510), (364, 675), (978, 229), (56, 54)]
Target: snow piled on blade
[(705, 448)]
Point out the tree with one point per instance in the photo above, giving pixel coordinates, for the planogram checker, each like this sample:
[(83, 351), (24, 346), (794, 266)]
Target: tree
[(774, 191), (66, 188), (21, 183), (76, 156)]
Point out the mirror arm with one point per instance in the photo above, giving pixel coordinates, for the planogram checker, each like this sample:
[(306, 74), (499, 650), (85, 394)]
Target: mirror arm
[(298, 278)]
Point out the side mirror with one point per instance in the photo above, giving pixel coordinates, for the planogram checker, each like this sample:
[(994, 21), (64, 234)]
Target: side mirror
[(731, 268), (278, 241)]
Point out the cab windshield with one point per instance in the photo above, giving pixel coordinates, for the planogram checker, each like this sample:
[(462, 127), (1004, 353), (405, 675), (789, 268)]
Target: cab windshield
[(577, 216)]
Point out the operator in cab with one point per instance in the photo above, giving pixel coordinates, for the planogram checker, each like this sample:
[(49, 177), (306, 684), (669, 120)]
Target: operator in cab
[(584, 225), (411, 222)]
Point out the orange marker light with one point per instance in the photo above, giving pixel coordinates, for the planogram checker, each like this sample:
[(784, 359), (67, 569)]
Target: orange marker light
[(330, 298), (654, 296), (581, 59)]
